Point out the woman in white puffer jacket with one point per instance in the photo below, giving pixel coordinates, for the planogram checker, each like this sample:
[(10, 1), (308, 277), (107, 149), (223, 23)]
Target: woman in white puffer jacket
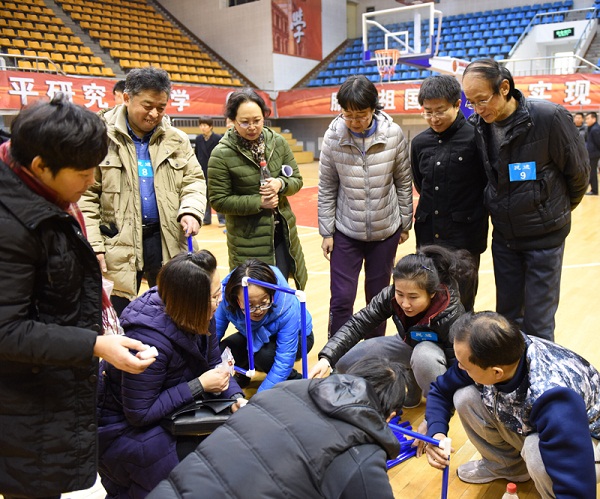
[(365, 197)]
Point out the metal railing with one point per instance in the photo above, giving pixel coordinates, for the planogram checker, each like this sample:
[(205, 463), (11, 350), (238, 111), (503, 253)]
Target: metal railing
[(38, 64)]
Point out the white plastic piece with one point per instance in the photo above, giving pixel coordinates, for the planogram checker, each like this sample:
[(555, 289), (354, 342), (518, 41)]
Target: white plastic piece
[(149, 353), (250, 373), (301, 295), (446, 446), (245, 281)]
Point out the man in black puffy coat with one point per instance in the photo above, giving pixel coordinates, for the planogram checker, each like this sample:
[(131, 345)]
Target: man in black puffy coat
[(306, 439), (51, 304), (538, 171)]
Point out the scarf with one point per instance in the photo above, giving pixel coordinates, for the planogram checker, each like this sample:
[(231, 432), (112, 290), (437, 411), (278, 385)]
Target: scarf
[(255, 147)]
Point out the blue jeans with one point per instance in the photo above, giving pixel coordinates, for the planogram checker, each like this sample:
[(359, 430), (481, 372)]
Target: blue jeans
[(528, 286)]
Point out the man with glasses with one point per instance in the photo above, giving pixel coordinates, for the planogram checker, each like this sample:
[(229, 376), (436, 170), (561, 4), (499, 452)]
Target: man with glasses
[(448, 174), (149, 194), (538, 172)]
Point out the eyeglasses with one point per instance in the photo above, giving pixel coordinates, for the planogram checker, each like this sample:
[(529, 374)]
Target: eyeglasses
[(362, 119), (260, 308), (248, 124), (481, 103), (436, 114)]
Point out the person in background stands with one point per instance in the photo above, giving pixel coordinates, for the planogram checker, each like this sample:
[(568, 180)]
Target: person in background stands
[(307, 439), (205, 143), (592, 145), (149, 193), (448, 174), (365, 198), (538, 172), (530, 407), (117, 91), (578, 119), (51, 304)]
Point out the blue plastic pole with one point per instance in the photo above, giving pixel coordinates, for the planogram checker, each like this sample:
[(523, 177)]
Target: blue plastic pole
[(248, 325), (190, 244)]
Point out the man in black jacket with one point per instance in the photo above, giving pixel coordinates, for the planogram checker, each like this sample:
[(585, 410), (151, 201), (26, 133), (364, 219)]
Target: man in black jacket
[(51, 304), (206, 141), (592, 144), (448, 174), (306, 439), (538, 172)]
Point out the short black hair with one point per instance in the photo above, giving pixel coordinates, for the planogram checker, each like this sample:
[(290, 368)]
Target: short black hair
[(205, 120), (119, 87), (494, 73), (63, 134), (493, 339), (184, 284), (439, 87), (357, 93), (593, 114), (253, 268), (237, 98), (387, 378), (148, 78)]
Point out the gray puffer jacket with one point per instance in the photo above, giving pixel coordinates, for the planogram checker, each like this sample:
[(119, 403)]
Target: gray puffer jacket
[(365, 195)]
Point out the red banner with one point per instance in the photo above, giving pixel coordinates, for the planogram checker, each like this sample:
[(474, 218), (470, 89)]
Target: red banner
[(18, 89), (577, 92), (297, 28)]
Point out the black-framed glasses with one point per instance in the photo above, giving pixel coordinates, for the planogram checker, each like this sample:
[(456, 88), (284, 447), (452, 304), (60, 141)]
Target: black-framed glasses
[(260, 308)]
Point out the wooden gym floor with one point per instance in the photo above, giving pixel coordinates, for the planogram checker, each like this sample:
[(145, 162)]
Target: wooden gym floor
[(577, 322)]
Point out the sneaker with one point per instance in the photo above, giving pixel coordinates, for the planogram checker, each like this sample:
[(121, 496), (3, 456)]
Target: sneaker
[(413, 399), (476, 472)]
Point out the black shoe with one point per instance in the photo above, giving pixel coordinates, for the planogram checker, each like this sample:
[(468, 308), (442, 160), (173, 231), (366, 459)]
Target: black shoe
[(591, 193), (294, 375), (242, 380)]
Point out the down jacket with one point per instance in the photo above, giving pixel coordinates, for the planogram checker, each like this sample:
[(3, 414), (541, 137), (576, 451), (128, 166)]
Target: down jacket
[(282, 319), (367, 197), (50, 316), (114, 201), (135, 451), (305, 439), (448, 174), (444, 310), (535, 214), (233, 184)]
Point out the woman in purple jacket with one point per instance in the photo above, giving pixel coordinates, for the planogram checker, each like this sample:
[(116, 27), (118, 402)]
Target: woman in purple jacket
[(136, 452)]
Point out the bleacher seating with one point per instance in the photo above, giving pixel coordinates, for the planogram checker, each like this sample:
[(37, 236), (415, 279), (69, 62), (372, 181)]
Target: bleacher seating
[(136, 35), (491, 33)]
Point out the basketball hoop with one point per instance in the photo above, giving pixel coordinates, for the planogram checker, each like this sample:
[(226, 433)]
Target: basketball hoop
[(386, 62)]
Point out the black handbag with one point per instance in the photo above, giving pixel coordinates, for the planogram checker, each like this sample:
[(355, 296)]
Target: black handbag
[(201, 417)]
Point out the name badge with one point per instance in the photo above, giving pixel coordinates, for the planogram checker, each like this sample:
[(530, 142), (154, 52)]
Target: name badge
[(520, 172), (145, 168), (424, 336)]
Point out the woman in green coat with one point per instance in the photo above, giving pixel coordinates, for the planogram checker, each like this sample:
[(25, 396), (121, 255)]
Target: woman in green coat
[(251, 173)]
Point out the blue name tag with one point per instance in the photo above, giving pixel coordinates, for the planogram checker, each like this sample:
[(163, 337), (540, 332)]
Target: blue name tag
[(423, 336), (145, 168), (519, 172)]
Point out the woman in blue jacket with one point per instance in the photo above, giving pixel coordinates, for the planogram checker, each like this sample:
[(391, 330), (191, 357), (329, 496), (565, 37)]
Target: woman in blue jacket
[(135, 451), (275, 319)]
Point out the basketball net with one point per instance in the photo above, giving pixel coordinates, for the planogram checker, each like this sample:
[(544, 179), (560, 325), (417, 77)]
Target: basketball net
[(386, 62)]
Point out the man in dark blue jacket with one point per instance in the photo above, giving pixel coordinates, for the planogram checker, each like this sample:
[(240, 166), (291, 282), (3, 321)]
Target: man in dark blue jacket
[(592, 144), (206, 141), (538, 171), (448, 174), (529, 406), (309, 439)]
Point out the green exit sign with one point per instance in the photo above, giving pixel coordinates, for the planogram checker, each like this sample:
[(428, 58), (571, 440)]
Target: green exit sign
[(563, 33)]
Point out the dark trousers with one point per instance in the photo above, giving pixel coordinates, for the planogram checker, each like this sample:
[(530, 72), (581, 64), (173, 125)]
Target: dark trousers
[(346, 262), (152, 248), (264, 358), (528, 287), (594, 174)]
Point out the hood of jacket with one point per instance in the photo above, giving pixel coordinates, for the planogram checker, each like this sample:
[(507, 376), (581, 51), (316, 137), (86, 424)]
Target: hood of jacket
[(352, 400)]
